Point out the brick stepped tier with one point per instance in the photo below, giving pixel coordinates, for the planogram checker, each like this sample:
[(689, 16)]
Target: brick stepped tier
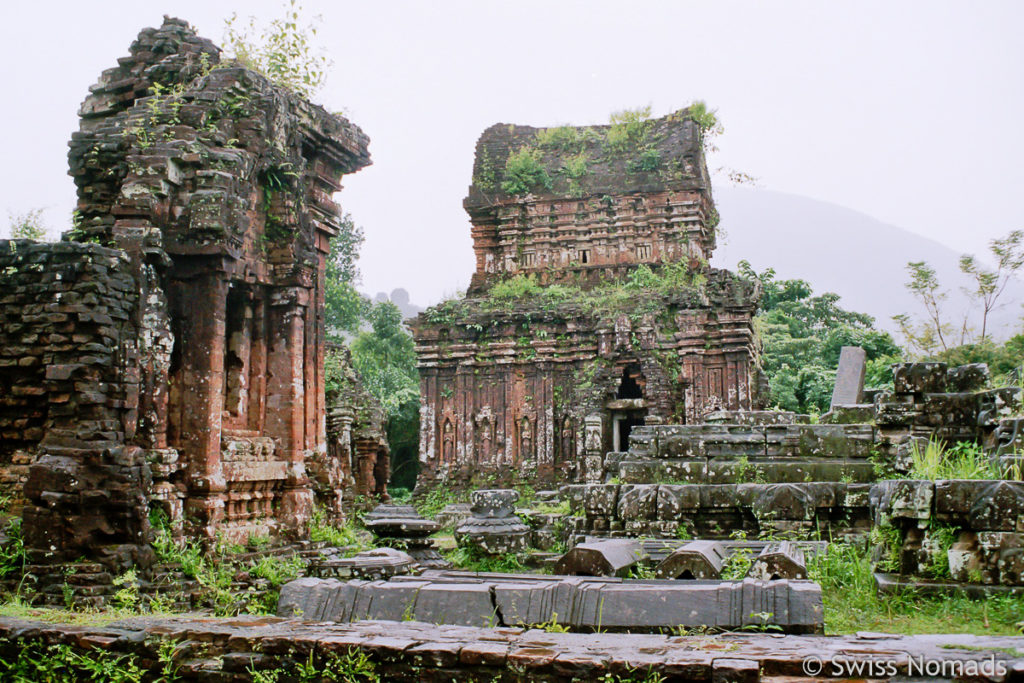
[(951, 534), (804, 510), (735, 453), (90, 584)]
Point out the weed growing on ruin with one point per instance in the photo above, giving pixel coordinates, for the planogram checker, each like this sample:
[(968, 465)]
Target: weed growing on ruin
[(60, 663), (633, 675), (649, 161), (938, 540), (552, 625), (13, 555), (564, 138), (737, 565), (126, 597), (559, 508), (344, 536), (709, 124), (283, 50), (27, 226), (473, 560), (400, 496), (852, 602), (629, 128), (642, 572), (963, 460), (575, 169), (886, 538), (351, 666), (524, 172), (277, 571), (437, 498)]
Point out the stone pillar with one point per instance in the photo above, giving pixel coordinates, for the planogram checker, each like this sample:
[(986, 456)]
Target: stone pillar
[(593, 432), (202, 381), (286, 402)]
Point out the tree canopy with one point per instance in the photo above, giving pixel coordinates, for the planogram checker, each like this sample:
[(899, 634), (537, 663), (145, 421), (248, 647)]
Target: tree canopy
[(802, 336)]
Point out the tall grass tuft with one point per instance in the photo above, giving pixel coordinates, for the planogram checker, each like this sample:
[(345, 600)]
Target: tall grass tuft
[(963, 460)]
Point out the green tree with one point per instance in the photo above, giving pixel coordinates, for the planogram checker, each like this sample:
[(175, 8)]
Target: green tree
[(936, 335), (27, 226), (385, 358), (802, 336), (989, 284), (345, 308)]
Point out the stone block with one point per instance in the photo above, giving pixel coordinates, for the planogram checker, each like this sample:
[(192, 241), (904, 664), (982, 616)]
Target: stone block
[(919, 378), (821, 440), (379, 563), (782, 560), (731, 670), (614, 557), (643, 441), (695, 560), (949, 410), (466, 604), (637, 502), (967, 378), (997, 404), (862, 413), (751, 417), (849, 384), (897, 499), (791, 501), (600, 500), (313, 599)]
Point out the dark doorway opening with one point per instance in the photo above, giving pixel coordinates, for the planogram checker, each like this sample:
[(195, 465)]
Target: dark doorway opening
[(626, 424), (629, 387)]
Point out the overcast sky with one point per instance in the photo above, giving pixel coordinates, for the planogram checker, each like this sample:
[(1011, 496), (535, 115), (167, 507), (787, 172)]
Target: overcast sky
[(912, 112)]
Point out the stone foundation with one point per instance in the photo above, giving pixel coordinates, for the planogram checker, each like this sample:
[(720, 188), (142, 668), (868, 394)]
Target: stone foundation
[(801, 510), (209, 650)]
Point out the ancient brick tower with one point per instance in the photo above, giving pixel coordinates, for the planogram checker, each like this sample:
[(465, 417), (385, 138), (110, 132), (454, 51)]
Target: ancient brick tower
[(179, 362), (592, 308)]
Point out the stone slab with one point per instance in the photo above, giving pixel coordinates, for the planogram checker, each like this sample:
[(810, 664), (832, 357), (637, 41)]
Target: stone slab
[(695, 560), (582, 603), (609, 557), (428, 653), (849, 386), (782, 560)]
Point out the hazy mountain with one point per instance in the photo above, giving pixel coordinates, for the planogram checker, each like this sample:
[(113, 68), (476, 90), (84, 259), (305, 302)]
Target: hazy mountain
[(843, 251), (400, 298)]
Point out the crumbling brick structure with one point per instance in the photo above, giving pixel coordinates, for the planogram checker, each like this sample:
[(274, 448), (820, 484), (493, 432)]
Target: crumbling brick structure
[(358, 457), (592, 308), (180, 365)]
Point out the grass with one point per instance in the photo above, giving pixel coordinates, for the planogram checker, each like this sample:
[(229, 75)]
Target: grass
[(348, 536), (852, 603), (963, 460), (472, 560)]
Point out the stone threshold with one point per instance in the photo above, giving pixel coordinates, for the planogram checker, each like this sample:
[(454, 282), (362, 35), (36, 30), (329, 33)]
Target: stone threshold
[(890, 584), (212, 649)]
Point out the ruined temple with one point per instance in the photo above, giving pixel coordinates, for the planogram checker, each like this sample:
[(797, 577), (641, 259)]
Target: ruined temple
[(169, 353), (358, 457), (592, 309)]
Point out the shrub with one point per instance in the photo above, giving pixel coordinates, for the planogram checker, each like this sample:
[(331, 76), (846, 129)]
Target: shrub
[(524, 172), (629, 128), (648, 161), (565, 138), (283, 50)]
